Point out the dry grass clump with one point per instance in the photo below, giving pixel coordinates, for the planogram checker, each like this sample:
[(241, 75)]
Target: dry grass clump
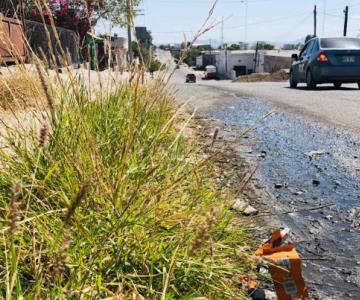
[(19, 90), (114, 203)]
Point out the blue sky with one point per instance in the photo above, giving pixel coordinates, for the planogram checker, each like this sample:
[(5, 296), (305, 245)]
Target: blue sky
[(269, 20)]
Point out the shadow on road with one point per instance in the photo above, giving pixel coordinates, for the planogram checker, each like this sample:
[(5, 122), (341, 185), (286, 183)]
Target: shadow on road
[(322, 88)]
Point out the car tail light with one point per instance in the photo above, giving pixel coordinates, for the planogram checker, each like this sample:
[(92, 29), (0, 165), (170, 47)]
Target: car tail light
[(322, 57)]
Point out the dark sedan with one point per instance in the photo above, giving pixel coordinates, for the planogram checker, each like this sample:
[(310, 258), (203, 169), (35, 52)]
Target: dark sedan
[(190, 78), (327, 60)]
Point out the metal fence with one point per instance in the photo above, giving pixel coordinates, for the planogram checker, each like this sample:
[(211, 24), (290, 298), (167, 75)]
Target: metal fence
[(9, 7)]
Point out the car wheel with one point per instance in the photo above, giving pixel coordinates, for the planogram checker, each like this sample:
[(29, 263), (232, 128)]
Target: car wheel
[(337, 85), (293, 83), (310, 83)]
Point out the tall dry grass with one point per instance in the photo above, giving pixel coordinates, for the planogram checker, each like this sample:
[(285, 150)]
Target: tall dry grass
[(19, 90), (100, 197)]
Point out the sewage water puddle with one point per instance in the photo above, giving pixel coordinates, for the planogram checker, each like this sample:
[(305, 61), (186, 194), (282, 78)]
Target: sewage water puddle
[(307, 164)]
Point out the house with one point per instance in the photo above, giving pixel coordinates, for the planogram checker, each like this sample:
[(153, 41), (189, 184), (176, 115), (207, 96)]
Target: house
[(242, 62), (117, 47), (143, 36), (244, 46), (232, 64), (289, 47), (207, 58)]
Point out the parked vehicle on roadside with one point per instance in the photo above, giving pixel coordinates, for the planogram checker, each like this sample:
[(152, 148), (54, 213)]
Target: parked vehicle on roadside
[(210, 72), (327, 60), (190, 78)]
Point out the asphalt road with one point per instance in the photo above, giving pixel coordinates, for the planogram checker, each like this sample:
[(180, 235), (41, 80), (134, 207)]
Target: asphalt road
[(325, 120), (338, 107)]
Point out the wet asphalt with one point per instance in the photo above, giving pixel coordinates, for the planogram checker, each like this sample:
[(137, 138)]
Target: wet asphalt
[(302, 166), (306, 161)]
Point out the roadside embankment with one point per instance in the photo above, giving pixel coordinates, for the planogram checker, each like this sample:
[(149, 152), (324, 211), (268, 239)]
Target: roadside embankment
[(103, 197), (281, 75)]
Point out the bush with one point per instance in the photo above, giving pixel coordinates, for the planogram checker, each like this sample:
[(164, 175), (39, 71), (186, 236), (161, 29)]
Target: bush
[(156, 65)]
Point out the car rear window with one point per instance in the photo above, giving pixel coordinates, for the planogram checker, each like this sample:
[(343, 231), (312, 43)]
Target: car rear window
[(340, 43)]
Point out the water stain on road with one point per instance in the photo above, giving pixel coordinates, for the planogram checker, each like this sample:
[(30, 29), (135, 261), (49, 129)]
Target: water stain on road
[(304, 165)]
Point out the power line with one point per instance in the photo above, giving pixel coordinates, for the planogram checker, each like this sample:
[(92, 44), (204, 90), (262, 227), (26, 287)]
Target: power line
[(242, 26)]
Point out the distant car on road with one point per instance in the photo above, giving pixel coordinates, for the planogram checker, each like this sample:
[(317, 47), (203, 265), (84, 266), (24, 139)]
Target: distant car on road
[(190, 78), (327, 60)]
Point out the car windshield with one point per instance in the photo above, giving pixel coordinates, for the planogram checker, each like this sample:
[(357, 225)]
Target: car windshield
[(340, 43)]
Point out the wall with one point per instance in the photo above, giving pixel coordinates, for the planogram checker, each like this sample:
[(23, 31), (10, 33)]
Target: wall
[(36, 35), (275, 63), (12, 44), (199, 61), (241, 59), (229, 59)]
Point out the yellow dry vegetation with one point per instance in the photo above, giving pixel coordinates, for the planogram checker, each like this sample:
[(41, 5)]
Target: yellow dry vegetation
[(20, 90)]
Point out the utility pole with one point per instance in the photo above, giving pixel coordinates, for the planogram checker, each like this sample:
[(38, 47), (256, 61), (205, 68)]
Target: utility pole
[(222, 33), (129, 28), (256, 56), (346, 12), (246, 20), (315, 19)]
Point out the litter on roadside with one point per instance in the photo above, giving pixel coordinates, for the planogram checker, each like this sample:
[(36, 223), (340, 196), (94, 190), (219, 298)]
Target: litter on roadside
[(317, 153), (284, 266)]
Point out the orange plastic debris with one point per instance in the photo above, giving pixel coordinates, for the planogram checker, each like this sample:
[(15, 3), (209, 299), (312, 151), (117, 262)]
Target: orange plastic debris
[(247, 283), (284, 266)]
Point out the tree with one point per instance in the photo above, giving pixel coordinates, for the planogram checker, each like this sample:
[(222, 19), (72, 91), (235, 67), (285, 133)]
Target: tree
[(233, 47), (76, 15), (117, 11), (263, 46), (164, 47)]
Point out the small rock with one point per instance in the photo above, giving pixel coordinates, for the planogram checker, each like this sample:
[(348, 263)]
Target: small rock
[(250, 211), (329, 217), (354, 217), (239, 205), (337, 183), (298, 193), (263, 294), (317, 153), (279, 185), (345, 271), (263, 154), (270, 295), (316, 182), (263, 270)]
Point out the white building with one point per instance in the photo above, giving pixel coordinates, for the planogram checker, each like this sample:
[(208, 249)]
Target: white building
[(207, 58), (232, 64)]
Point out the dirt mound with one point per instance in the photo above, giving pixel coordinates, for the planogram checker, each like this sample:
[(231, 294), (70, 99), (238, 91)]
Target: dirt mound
[(281, 75)]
